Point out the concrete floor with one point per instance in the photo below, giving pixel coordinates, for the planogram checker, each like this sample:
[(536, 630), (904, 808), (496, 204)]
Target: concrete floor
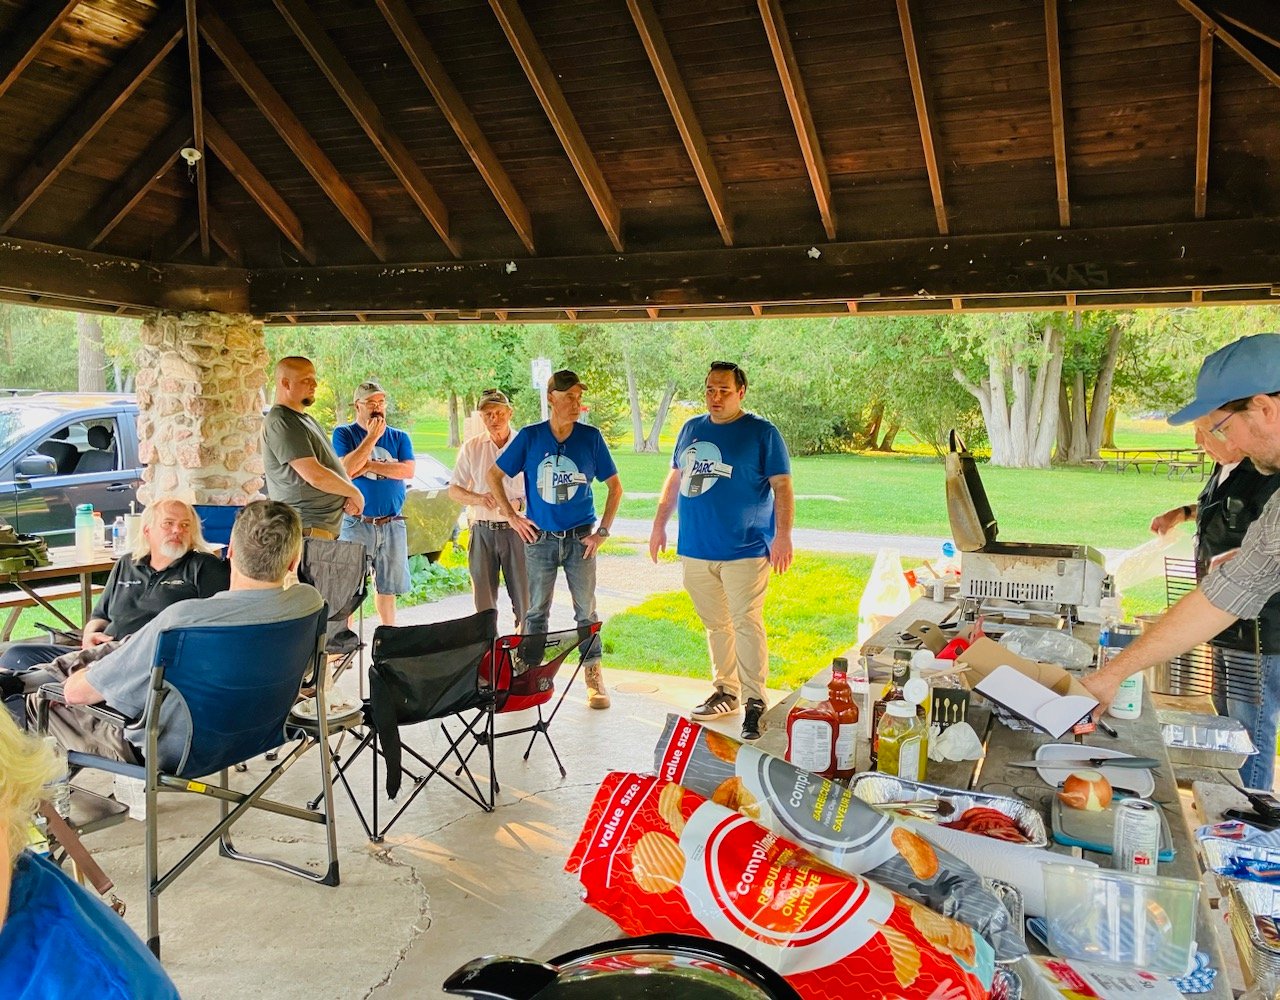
[(450, 883)]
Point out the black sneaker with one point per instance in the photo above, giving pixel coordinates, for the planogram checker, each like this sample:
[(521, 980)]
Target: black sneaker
[(720, 704), (751, 721)]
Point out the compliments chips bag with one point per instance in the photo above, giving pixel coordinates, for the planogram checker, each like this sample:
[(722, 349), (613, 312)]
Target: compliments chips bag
[(656, 857)]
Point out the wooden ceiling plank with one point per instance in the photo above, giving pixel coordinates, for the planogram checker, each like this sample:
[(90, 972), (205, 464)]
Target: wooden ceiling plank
[(1256, 54), (1204, 92), (547, 88), (157, 160), (670, 81), (432, 72), (197, 118), (784, 58), (1261, 20), (274, 107), (242, 168), (26, 38), (103, 99), (319, 45), (924, 111), (1054, 48), (223, 233)]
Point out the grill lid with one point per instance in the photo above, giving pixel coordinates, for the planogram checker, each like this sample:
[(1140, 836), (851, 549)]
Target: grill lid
[(973, 525)]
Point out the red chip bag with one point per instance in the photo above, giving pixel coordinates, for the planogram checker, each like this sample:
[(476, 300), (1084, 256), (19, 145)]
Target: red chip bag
[(656, 857)]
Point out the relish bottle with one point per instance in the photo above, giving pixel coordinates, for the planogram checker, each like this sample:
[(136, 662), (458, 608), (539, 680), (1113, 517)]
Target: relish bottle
[(812, 731), (840, 695), (904, 737)]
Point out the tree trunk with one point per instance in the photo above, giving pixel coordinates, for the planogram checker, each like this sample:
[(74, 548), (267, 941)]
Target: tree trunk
[(872, 431), (1043, 431), (1064, 421), (1109, 430), (660, 418), (1101, 418), (93, 360), (886, 443), (455, 438), (637, 418)]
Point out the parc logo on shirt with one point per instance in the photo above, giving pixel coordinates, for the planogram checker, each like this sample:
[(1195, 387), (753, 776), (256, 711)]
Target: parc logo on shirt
[(379, 454), (559, 479), (701, 468)]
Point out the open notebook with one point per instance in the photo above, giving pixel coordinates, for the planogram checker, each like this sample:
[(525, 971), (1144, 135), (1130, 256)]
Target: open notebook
[(1031, 700)]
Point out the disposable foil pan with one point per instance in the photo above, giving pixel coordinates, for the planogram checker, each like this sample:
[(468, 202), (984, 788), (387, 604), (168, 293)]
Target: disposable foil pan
[(1246, 901), (1207, 740), (877, 788), (1218, 851)]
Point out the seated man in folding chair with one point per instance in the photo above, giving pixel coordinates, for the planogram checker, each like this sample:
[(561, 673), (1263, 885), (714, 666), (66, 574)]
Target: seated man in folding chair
[(266, 544)]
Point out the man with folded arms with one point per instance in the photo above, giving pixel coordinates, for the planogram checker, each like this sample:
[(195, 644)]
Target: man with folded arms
[(493, 546), (560, 458), (379, 459), (301, 468)]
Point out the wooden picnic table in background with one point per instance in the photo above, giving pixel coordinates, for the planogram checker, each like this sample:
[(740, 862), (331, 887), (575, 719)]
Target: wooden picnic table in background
[(1178, 462)]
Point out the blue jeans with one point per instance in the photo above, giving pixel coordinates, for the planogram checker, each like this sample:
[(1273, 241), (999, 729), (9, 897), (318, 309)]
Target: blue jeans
[(542, 558), (1261, 723), (388, 544)]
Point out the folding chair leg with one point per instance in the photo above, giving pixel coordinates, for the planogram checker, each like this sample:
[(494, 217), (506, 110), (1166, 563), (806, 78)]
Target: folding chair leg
[(152, 838)]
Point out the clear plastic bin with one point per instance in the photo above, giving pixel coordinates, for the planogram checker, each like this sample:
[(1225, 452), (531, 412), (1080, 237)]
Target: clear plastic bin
[(1145, 922)]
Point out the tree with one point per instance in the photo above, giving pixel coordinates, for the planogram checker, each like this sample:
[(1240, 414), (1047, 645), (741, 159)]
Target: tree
[(1091, 356)]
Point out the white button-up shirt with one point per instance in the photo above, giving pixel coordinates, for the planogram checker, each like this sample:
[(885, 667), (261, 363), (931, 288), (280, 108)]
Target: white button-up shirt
[(475, 459)]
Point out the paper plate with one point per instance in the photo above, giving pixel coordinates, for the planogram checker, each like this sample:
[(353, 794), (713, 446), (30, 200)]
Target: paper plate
[(1132, 780), (306, 709)]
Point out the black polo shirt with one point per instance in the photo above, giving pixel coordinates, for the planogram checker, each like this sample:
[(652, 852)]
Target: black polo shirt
[(135, 593)]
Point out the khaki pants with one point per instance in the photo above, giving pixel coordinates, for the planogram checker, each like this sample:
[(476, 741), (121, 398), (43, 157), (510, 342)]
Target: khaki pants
[(729, 598)]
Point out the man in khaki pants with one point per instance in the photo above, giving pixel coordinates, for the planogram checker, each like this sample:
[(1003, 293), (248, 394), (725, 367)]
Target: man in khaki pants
[(731, 478)]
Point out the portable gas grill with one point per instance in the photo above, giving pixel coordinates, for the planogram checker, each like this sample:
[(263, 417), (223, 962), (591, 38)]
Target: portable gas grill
[(1016, 581)]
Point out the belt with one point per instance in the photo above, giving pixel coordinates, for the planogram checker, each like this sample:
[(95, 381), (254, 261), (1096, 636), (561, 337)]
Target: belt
[(381, 520), (319, 533), (581, 531), (492, 525)]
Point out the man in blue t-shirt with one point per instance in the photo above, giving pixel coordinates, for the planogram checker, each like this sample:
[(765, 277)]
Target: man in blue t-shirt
[(560, 458), (378, 459), (731, 479)]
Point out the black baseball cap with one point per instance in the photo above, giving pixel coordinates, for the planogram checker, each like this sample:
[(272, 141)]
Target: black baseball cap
[(563, 381)]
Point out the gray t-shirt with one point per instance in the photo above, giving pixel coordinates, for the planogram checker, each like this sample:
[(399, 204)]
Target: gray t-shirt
[(287, 435), (123, 676)]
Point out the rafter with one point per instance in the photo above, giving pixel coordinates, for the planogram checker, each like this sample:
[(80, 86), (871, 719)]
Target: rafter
[(157, 160), (1054, 48), (243, 169), (1261, 20), (924, 112), (547, 88), (664, 65), (91, 113), (223, 233), (27, 37), (428, 66), (286, 123), (1244, 42), (310, 32), (197, 118), (784, 58), (1204, 93)]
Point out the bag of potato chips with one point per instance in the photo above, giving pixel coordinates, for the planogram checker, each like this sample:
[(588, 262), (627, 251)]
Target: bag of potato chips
[(656, 857), (829, 820)]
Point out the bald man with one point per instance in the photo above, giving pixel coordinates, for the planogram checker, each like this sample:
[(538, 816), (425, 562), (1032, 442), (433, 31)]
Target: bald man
[(302, 469)]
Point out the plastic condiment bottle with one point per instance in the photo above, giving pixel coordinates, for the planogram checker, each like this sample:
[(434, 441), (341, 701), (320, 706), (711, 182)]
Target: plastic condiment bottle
[(812, 731), (840, 694), (892, 692), (84, 531), (99, 531), (904, 737)]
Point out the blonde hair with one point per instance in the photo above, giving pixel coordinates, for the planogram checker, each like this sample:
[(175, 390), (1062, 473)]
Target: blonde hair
[(142, 547), (25, 765)]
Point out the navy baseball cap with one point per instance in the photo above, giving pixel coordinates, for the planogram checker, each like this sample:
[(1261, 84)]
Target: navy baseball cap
[(1248, 367)]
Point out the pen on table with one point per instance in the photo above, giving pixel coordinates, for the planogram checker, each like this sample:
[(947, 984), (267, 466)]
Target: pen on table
[(1108, 730)]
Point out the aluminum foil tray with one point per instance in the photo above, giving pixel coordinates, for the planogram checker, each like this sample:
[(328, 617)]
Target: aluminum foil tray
[(1207, 740), (1217, 851), (876, 788), (1246, 901)]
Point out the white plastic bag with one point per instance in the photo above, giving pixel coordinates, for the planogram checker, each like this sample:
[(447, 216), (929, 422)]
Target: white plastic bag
[(1146, 562), (886, 596)]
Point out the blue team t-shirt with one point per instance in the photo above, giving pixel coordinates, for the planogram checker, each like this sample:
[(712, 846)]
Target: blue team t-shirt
[(59, 943), (383, 497), (558, 474), (726, 503)]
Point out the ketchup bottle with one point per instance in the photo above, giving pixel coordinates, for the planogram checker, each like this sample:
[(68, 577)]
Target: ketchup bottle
[(841, 696), (812, 731)]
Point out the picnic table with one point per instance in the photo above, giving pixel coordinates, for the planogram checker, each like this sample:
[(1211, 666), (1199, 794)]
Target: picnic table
[(1179, 463), (67, 575)]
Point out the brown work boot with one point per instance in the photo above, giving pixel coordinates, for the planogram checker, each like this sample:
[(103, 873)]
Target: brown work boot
[(597, 696)]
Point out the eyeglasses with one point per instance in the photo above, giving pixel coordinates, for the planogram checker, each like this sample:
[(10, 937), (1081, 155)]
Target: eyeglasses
[(724, 366), (1217, 431)]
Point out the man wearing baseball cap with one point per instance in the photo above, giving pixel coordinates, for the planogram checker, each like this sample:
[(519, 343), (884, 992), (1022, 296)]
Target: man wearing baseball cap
[(493, 546), (560, 458), (379, 459), (1238, 402)]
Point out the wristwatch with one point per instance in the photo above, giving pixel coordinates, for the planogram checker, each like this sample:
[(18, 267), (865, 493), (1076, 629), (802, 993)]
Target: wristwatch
[(602, 531)]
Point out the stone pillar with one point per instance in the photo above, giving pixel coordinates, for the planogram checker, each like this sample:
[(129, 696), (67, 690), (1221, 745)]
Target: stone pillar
[(199, 384)]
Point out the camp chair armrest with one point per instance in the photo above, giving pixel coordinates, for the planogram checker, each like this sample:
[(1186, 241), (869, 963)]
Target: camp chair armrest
[(52, 692)]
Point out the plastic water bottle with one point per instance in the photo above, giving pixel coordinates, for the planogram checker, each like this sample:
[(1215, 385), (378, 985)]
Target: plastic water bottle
[(84, 531), (119, 537), (58, 789)]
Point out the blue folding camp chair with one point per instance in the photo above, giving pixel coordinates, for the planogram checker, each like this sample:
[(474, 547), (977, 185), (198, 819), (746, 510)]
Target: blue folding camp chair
[(239, 684), (216, 522)]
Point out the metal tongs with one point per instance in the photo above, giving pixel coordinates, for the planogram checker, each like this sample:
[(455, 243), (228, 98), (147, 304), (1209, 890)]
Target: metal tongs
[(923, 808)]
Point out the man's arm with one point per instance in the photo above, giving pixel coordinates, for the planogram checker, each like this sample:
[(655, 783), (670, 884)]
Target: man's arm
[(391, 470), (76, 690), (784, 514), (1170, 519), (593, 541), (525, 528), (94, 633), (1188, 623), (666, 505), (354, 459), (325, 479)]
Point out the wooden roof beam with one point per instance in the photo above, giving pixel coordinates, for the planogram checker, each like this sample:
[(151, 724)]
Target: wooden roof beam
[(224, 234), (286, 123), (924, 112), (664, 65), (414, 42), (1204, 92), (1261, 20), (311, 33), (547, 88), (90, 114), (243, 169), (158, 159), (1221, 17), (197, 118), (784, 58), (1054, 48), (27, 37)]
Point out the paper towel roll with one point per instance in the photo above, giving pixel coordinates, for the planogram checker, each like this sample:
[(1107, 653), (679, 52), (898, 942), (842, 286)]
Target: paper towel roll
[(1013, 863)]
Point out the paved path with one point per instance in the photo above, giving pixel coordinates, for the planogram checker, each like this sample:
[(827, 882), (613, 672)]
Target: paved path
[(815, 540)]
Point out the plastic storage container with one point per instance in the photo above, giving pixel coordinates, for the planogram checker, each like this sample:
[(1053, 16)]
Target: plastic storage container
[(84, 532), (1143, 922)]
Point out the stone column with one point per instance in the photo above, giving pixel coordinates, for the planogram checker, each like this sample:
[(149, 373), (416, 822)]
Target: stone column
[(199, 385)]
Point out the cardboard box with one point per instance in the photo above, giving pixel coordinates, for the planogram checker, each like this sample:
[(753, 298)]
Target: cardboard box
[(1042, 693)]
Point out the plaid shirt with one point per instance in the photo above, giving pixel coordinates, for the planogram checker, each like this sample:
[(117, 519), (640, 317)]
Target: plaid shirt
[(1244, 584)]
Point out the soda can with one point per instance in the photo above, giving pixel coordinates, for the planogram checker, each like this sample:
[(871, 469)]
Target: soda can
[(1135, 846)]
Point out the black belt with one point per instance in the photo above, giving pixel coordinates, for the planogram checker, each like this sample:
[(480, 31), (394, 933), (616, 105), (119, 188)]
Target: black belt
[(493, 524), (581, 531), (380, 520)]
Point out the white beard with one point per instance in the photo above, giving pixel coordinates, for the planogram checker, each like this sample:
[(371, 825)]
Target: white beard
[(174, 550)]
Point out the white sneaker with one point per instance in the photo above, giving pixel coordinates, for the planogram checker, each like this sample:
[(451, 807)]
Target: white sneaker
[(131, 792)]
